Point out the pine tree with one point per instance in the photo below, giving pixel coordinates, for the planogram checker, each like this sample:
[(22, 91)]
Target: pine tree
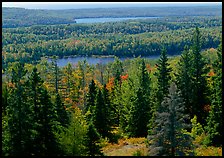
[(214, 120), (168, 138), (139, 114)]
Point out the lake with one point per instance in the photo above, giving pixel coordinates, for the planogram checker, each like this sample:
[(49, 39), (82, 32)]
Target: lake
[(102, 20), (93, 60)]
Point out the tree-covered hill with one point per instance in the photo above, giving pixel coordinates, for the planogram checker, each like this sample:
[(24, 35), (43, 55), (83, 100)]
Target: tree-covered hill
[(19, 17)]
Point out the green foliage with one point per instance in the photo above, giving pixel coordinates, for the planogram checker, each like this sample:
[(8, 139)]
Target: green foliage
[(140, 111), (168, 137), (192, 79), (214, 120), (102, 114), (198, 73), (72, 138), (90, 97), (62, 116), (196, 128), (137, 153), (13, 17), (183, 79), (92, 141), (163, 76)]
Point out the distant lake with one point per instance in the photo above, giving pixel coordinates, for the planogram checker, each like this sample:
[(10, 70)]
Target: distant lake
[(92, 60), (102, 20)]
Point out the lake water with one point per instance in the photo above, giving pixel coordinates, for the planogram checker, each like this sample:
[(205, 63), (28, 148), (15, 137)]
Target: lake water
[(102, 20), (92, 60)]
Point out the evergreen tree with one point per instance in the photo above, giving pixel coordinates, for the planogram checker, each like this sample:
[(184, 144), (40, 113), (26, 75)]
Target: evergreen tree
[(168, 138), (92, 141), (90, 97), (108, 112), (183, 79), (198, 78), (163, 75), (62, 116), (72, 138), (214, 120), (139, 114), (18, 114), (101, 116), (43, 117), (117, 68)]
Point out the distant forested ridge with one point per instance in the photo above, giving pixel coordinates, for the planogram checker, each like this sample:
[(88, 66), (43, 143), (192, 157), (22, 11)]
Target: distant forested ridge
[(122, 39), (20, 17)]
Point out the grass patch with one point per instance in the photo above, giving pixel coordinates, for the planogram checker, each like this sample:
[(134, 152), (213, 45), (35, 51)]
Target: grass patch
[(126, 147)]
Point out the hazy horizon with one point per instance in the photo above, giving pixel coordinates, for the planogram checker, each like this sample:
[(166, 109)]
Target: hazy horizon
[(86, 5)]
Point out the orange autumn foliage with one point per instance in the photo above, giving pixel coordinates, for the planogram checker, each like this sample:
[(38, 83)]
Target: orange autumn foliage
[(124, 77), (211, 73), (148, 67), (110, 84)]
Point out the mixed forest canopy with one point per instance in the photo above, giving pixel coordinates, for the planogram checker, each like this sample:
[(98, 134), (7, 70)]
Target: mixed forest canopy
[(174, 104), (14, 17), (122, 39)]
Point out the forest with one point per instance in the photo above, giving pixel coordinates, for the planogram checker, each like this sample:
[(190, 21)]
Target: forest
[(14, 17), (153, 107), (129, 38)]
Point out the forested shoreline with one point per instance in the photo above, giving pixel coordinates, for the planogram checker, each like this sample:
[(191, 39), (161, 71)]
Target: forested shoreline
[(170, 106), (14, 17), (70, 111), (121, 39)]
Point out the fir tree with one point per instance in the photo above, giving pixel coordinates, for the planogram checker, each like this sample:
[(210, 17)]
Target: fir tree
[(168, 138)]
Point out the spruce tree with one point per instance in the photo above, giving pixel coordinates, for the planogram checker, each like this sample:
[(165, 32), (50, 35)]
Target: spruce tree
[(163, 76), (198, 78), (168, 138)]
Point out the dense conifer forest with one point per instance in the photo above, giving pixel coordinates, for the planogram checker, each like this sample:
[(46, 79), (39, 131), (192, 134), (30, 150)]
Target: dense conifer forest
[(170, 106)]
